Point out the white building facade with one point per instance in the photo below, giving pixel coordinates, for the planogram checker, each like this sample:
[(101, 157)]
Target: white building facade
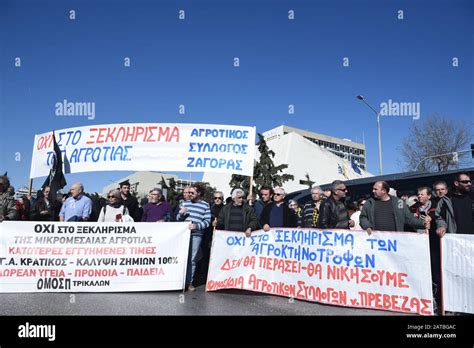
[(303, 155)]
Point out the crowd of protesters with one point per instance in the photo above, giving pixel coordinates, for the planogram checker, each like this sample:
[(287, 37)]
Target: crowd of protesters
[(435, 211)]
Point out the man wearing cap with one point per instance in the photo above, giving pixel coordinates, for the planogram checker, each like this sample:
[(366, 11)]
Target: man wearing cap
[(129, 201)]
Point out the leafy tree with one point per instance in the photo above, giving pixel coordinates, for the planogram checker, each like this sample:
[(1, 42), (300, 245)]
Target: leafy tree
[(208, 192), (430, 144), (171, 192), (265, 172)]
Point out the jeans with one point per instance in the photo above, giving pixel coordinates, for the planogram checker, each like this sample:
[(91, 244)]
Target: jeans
[(194, 246)]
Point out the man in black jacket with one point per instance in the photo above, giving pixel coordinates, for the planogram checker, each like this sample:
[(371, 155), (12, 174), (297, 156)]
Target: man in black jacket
[(333, 212), (456, 214), (129, 201), (426, 206), (277, 213), (237, 216)]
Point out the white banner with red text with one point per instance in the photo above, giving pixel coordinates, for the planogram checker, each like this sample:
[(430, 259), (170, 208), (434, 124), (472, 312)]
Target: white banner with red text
[(457, 264), (176, 147), (386, 270), (92, 257)]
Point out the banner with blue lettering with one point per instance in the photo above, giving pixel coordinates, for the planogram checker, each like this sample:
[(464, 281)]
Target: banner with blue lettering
[(148, 146), (386, 270), (92, 257)]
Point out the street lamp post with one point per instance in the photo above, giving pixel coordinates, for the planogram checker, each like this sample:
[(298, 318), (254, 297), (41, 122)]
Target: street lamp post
[(377, 113)]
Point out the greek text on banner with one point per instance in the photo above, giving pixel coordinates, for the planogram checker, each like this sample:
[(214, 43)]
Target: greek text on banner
[(148, 146), (386, 270), (92, 257)]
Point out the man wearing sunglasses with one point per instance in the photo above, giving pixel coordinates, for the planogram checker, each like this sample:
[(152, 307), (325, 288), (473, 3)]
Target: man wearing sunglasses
[(277, 213), (333, 212), (456, 214), (217, 204)]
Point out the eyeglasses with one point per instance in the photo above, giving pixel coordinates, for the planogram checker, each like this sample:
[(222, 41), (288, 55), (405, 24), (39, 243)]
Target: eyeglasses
[(191, 193), (465, 181), (343, 190), (111, 197), (278, 194), (218, 198)]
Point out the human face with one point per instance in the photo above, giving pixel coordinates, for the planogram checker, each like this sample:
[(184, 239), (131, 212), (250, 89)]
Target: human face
[(341, 191), (278, 196), (423, 196), (294, 206), (186, 194), (464, 184), (378, 191), (46, 191), (238, 199), (125, 189), (441, 190), (193, 194), (155, 197), (266, 196), (315, 195), (75, 191), (218, 199), (112, 198)]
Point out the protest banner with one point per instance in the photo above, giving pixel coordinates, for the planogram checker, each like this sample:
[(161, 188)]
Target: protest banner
[(457, 260), (386, 270), (148, 146), (92, 257)]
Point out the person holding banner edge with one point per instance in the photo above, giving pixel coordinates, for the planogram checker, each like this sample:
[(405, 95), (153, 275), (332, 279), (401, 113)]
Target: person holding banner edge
[(198, 213), (277, 213)]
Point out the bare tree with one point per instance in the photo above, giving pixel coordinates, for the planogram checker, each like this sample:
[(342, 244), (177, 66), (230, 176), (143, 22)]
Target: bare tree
[(429, 145)]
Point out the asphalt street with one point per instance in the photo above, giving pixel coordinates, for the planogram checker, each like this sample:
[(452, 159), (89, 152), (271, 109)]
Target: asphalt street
[(199, 302)]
